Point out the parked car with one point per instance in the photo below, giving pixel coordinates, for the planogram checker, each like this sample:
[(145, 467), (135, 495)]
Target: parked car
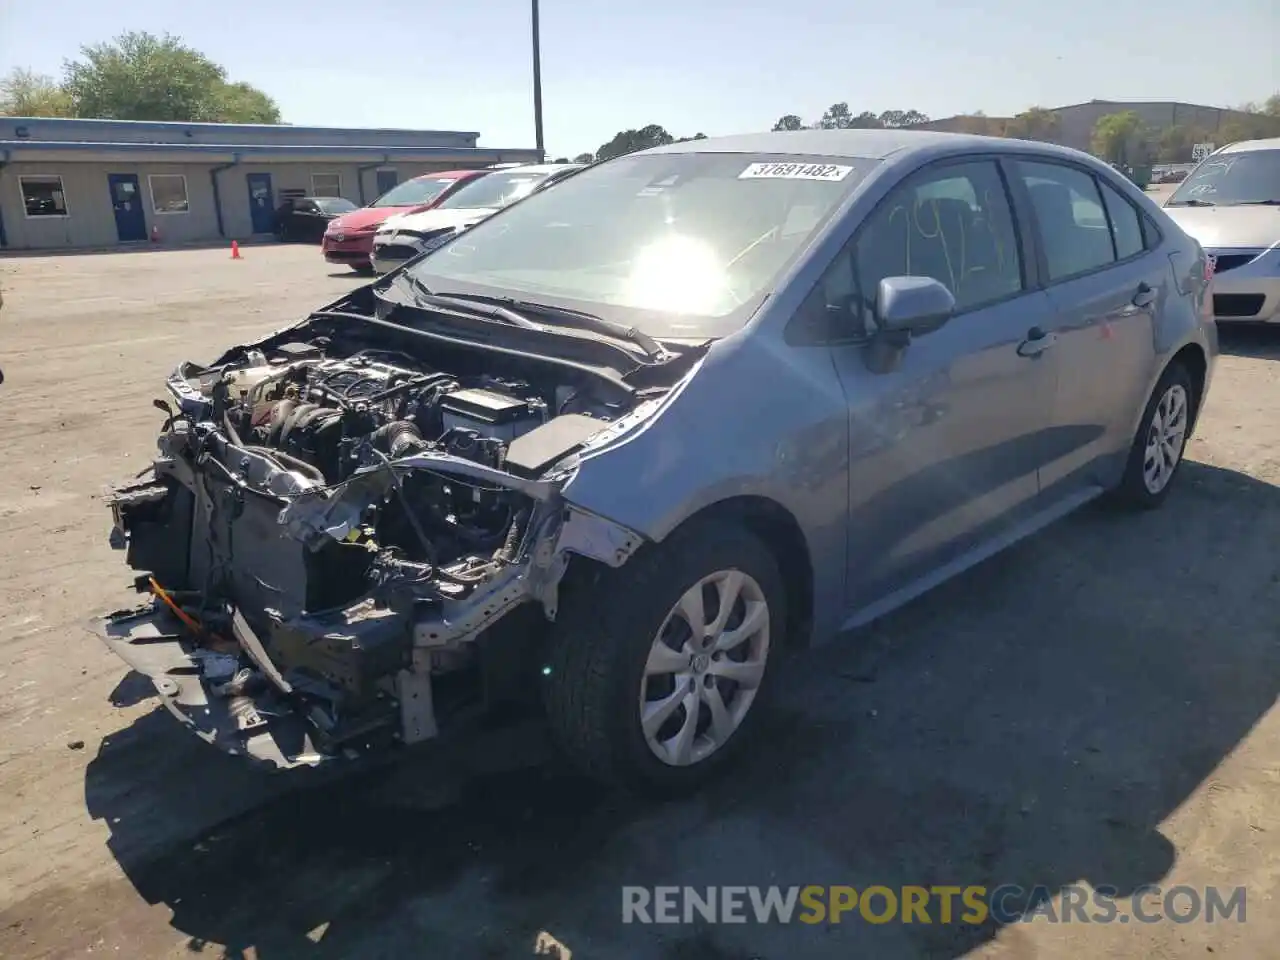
[(623, 444), (307, 218), (349, 238), (1228, 203), (404, 237)]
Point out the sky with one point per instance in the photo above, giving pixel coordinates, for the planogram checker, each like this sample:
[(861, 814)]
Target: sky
[(710, 66)]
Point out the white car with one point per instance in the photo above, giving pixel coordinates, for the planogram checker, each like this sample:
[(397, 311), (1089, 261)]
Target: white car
[(403, 237), (1229, 204)]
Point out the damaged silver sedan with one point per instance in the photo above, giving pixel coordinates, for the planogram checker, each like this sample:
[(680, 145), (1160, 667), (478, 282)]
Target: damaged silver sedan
[(613, 449)]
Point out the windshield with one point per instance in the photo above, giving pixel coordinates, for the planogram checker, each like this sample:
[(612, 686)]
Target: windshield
[(334, 205), (493, 190), (413, 193), (676, 244), (1250, 176)]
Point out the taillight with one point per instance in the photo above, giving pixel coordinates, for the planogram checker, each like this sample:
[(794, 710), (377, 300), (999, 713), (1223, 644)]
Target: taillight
[(1206, 291)]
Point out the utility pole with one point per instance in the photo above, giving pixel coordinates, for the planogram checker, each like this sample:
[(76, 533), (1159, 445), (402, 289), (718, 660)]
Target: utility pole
[(537, 83)]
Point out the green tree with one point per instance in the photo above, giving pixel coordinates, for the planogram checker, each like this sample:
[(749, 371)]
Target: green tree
[(789, 122), (1119, 137), (629, 141), (138, 76), (585, 158), (901, 118), (1175, 143), (25, 93), (243, 103), (1036, 123), (1271, 107)]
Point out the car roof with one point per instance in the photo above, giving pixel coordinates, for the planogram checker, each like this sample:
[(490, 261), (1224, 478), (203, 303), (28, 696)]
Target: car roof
[(447, 174), (887, 145), (543, 167), (1245, 146)]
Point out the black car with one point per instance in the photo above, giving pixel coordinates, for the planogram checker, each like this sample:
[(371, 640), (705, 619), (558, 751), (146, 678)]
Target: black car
[(306, 218)]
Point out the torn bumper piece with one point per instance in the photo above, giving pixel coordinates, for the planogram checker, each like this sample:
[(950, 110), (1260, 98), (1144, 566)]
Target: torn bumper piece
[(199, 687)]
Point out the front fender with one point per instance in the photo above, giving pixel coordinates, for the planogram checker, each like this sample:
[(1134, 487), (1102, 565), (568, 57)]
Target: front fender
[(753, 420)]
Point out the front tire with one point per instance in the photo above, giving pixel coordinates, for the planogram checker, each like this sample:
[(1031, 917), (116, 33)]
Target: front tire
[(1160, 443), (659, 669)]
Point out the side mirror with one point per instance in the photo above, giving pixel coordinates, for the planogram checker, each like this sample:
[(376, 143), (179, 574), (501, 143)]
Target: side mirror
[(913, 305)]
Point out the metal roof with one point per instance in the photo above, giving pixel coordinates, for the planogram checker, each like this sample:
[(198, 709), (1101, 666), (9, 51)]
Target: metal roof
[(227, 151), (176, 127)]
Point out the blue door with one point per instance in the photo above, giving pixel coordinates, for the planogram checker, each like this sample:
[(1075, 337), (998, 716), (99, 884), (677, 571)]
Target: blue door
[(262, 208), (386, 180), (126, 200)]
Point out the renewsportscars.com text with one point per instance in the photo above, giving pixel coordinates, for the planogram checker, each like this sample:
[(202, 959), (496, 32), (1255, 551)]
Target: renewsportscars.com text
[(1010, 903)]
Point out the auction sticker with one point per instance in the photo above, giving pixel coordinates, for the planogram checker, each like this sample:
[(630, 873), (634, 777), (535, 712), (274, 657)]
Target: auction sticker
[(794, 171)]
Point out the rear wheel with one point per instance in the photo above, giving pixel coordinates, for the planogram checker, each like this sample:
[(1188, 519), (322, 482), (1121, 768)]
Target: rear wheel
[(364, 269), (658, 668), (1161, 441)]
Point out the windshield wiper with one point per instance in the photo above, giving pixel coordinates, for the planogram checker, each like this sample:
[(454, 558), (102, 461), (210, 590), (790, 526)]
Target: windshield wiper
[(423, 297), (589, 321), (1191, 203), (1256, 203)]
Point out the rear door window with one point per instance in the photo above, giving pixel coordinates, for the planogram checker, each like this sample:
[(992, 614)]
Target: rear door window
[(1070, 216), (1126, 223)]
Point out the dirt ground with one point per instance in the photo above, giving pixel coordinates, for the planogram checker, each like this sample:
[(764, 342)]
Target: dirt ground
[(1094, 706)]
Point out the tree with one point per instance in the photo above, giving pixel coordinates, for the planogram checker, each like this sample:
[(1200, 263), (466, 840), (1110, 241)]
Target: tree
[(1119, 137), (629, 141), (1036, 123), (585, 158), (138, 76), (901, 118), (25, 93), (1176, 142), (789, 122), (243, 103), (1272, 105)]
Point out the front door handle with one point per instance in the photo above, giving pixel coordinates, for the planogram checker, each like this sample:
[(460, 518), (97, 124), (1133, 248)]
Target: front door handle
[(1037, 342), (1145, 296)]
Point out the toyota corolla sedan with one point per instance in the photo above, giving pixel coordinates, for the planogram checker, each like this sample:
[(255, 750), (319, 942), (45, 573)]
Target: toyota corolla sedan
[(401, 238), (1231, 204), (620, 447)]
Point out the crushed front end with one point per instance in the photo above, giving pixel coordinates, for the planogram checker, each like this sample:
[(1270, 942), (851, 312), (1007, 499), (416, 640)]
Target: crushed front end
[(347, 545)]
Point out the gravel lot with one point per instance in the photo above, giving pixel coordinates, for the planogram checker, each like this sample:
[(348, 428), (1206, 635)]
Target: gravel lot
[(1094, 706)]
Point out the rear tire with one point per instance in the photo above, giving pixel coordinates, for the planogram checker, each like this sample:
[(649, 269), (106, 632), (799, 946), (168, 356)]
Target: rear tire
[(1160, 443), (364, 270), (636, 697)]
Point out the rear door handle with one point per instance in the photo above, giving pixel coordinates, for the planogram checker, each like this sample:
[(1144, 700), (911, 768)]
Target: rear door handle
[(1145, 296), (1037, 342)]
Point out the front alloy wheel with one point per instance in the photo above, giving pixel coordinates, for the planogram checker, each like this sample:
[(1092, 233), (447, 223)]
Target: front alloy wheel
[(658, 669), (704, 668)]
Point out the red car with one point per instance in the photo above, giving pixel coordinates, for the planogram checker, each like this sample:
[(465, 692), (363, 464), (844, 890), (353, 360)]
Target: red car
[(349, 238)]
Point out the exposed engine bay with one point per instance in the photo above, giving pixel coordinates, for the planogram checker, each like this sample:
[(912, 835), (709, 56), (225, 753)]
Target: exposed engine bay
[(352, 535)]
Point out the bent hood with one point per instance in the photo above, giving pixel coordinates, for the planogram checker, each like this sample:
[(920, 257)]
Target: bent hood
[(1246, 227), (437, 219)]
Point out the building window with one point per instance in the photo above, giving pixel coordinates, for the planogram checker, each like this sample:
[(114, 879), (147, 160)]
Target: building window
[(326, 185), (43, 196), (169, 193)]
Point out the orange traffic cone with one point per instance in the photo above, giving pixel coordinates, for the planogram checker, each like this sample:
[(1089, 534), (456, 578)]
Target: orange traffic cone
[(235, 250)]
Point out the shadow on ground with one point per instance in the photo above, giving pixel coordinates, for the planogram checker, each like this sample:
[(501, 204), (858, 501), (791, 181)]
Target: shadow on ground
[(1258, 340), (1030, 723)]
